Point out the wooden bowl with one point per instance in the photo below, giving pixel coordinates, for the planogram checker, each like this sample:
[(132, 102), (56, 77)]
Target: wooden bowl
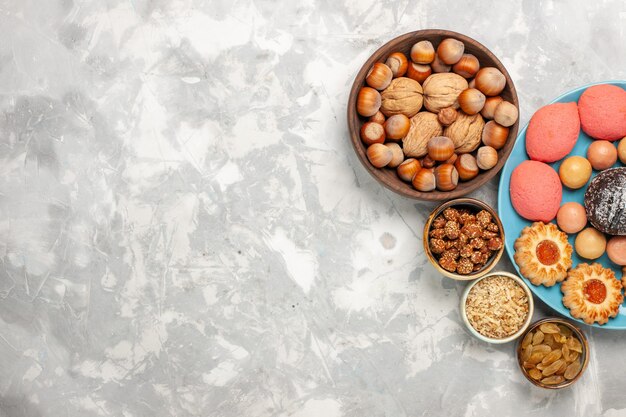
[(474, 205), (584, 357), (388, 176)]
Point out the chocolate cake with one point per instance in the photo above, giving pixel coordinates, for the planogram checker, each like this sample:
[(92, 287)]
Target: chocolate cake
[(605, 201)]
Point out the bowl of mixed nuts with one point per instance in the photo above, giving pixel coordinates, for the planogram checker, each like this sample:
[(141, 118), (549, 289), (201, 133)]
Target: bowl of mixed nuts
[(463, 238), (553, 353), (433, 115)]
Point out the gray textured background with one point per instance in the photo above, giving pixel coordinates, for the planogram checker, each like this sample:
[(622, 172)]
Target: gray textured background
[(185, 230)]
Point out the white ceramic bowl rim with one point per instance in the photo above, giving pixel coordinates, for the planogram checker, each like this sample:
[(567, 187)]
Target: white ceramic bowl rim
[(531, 308)]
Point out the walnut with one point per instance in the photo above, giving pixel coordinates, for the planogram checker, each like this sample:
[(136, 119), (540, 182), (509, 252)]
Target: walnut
[(447, 116), (442, 90), (403, 96), (466, 132), (424, 126)]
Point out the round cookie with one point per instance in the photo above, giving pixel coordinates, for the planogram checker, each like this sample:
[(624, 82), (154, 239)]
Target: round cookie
[(552, 132), (535, 191), (602, 111), (605, 200)]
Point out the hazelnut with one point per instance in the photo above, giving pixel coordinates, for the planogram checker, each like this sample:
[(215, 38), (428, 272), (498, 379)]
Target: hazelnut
[(467, 66), (372, 133), (490, 106), (368, 102), (424, 180), (446, 177), (379, 155), (398, 64), (466, 166), (486, 157), (440, 148), (439, 66), (377, 118), (397, 155), (495, 135), (447, 116), (418, 72), (428, 162), (450, 51), (397, 126), (407, 169), (490, 81), (423, 52), (379, 76), (471, 101), (506, 114)]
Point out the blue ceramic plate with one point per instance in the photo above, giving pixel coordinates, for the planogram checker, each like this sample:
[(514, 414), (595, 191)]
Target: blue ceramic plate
[(513, 223)]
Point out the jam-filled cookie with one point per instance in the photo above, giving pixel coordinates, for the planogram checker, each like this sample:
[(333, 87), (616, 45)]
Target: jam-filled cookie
[(543, 254), (592, 293)]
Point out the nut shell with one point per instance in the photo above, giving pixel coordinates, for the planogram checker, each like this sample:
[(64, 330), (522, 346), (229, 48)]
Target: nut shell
[(466, 132), (495, 135), (379, 155), (489, 108), (450, 51), (372, 133), (442, 90), (424, 180), (446, 177), (423, 126), (471, 101), (379, 76), (397, 155), (440, 148), (423, 52), (467, 66), (398, 64), (490, 81), (407, 169), (403, 96), (419, 72), (466, 166), (506, 114), (368, 102), (486, 157)]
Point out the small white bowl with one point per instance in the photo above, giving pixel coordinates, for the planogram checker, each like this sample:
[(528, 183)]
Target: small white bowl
[(531, 308)]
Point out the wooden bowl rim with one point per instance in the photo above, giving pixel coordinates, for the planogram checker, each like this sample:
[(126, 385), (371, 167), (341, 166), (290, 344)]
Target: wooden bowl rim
[(426, 239), (396, 184), (581, 337)]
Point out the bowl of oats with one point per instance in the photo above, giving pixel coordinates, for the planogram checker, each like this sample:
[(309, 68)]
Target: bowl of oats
[(497, 308)]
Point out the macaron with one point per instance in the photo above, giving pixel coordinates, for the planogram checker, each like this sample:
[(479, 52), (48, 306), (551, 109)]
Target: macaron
[(602, 111), (552, 132), (535, 191)]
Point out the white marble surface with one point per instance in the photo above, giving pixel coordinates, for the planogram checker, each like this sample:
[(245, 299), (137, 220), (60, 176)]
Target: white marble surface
[(185, 230)]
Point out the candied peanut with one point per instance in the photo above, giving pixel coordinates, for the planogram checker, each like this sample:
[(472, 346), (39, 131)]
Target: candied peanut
[(437, 246), (465, 266), (477, 243), (448, 264), (572, 370), (477, 267), (549, 328), (483, 217), (471, 230), (488, 235), (538, 337), (439, 222), (451, 214), (452, 229), (553, 380), (552, 368), (535, 374), (465, 216), (494, 243), (452, 253), (466, 251), (492, 227), (479, 258), (437, 233)]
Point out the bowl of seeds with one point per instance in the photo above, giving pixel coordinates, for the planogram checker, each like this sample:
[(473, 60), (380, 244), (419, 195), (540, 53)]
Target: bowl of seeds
[(553, 353), (497, 308)]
